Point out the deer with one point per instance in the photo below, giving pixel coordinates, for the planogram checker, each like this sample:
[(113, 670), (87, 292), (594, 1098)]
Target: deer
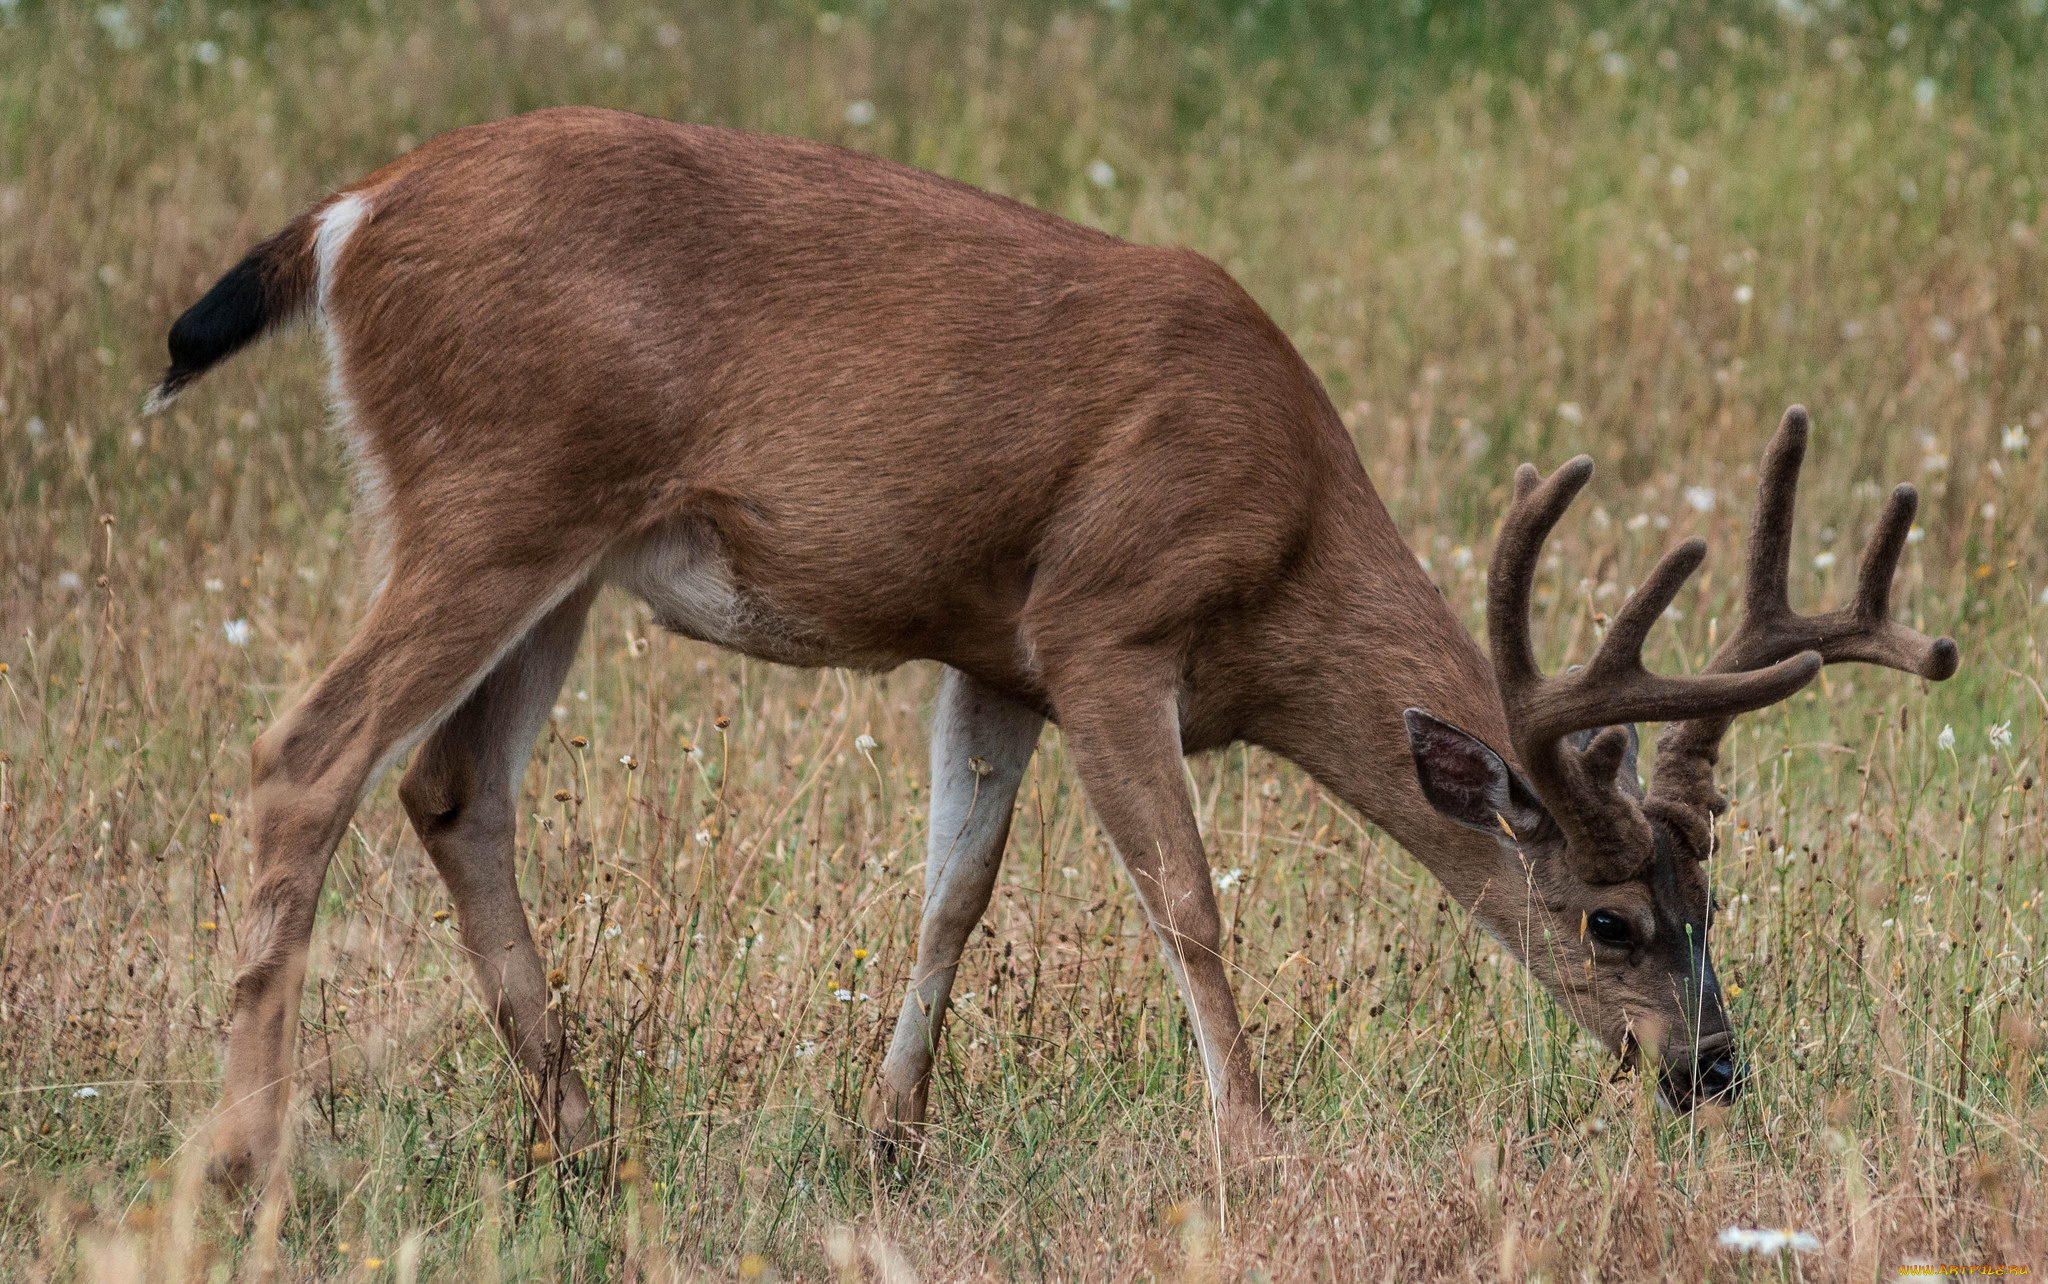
[(827, 410)]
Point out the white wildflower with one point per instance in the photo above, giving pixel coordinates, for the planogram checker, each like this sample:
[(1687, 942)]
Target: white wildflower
[(1915, 535), (2014, 439), (1228, 879), (1923, 95), (860, 113), (1680, 176), (1701, 498), (206, 53), (864, 742), (1743, 295), (1745, 1240), (2000, 736), (120, 28), (1569, 412), (612, 931), (69, 581), (237, 631), (1101, 173), (1068, 871), (215, 585), (1942, 329), (1822, 561), (1461, 557), (844, 996), (87, 1091), (1947, 738)]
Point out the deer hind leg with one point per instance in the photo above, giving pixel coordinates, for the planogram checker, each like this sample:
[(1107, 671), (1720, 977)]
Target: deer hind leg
[(438, 629), (461, 793), (1122, 727), (981, 746)]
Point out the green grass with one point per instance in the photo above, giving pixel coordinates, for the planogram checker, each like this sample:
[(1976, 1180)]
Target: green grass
[(1472, 222)]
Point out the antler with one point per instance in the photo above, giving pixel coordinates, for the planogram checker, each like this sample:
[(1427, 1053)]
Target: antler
[(1605, 831), (1864, 631)]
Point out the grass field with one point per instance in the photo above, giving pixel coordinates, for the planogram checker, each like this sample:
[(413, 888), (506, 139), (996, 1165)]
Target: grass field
[(1637, 230)]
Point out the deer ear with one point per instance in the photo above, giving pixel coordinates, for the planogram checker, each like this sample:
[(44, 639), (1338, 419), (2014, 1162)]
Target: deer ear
[(1468, 782)]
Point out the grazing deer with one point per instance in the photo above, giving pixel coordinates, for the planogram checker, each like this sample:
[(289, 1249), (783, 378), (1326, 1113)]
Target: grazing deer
[(827, 410)]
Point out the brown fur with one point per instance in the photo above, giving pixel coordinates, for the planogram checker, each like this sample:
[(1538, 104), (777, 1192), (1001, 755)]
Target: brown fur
[(909, 420)]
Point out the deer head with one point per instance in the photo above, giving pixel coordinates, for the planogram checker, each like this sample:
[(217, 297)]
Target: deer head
[(1617, 901)]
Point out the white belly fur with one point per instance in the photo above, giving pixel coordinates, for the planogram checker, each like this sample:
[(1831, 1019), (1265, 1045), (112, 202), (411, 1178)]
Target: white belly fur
[(682, 573)]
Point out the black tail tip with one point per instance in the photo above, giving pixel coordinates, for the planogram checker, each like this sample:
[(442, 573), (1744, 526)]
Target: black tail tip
[(227, 318)]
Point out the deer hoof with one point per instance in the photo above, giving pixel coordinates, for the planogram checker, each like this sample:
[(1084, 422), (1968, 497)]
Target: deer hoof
[(233, 1164)]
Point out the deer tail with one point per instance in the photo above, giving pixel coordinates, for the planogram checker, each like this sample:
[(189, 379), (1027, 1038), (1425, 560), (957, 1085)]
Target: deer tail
[(274, 285)]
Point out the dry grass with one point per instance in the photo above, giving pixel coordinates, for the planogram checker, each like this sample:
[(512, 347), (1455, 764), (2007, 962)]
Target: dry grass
[(1499, 261)]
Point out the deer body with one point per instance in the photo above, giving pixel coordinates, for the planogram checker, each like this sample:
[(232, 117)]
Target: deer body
[(827, 410)]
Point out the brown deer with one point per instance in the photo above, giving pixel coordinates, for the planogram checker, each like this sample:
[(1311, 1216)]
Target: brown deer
[(828, 410)]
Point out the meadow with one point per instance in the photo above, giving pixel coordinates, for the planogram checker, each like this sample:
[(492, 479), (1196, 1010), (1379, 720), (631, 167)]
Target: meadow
[(1637, 229)]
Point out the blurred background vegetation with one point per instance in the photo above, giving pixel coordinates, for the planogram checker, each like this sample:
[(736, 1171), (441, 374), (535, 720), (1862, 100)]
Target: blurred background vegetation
[(1498, 231)]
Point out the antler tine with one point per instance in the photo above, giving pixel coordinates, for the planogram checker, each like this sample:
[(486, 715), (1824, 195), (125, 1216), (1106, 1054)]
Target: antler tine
[(1767, 567), (1881, 555), (1622, 648), (1539, 503), (1770, 629), (1880, 639)]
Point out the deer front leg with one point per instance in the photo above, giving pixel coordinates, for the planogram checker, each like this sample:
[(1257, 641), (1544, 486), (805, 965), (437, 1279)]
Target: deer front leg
[(460, 794), (981, 745), (1122, 726)]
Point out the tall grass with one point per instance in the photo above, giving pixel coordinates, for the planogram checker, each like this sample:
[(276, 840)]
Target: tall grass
[(1632, 229)]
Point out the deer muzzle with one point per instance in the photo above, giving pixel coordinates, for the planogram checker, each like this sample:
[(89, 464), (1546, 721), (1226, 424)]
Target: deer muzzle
[(1711, 1075)]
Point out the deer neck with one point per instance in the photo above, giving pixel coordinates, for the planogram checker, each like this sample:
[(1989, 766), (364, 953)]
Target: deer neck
[(1362, 635)]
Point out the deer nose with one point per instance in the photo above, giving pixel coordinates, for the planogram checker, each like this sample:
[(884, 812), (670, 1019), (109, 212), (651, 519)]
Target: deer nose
[(1714, 1078), (1722, 1078)]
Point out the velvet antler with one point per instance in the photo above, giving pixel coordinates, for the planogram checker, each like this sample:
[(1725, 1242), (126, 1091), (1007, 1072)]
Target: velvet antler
[(1606, 832), (1863, 631)]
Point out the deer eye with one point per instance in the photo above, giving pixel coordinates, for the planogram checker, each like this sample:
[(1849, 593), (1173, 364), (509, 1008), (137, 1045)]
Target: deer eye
[(1609, 928)]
